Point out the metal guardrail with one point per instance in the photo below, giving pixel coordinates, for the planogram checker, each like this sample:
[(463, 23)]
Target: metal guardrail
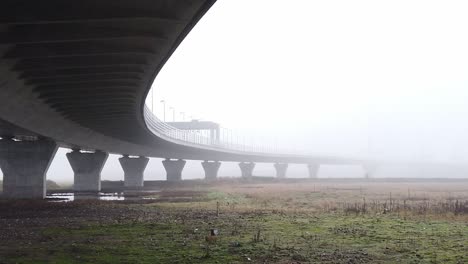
[(225, 142)]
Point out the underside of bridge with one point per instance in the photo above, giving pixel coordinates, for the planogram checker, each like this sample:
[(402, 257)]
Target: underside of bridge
[(78, 72), (91, 62)]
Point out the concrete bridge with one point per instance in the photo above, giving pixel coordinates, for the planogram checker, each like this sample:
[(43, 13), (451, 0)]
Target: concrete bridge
[(76, 74)]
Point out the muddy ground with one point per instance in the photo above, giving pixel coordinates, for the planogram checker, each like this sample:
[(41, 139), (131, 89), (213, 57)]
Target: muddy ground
[(276, 222)]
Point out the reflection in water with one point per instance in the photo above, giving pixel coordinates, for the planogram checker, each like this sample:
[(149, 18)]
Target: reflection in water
[(112, 196), (67, 197)]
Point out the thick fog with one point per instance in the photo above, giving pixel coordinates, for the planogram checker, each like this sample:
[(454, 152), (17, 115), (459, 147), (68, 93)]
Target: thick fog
[(382, 78), (386, 80)]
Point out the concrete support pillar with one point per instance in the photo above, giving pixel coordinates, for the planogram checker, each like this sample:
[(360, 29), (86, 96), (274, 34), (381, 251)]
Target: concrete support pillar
[(24, 165), (247, 169), (134, 169), (87, 167), (313, 170), (369, 170), (211, 169), (281, 169), (174, 169)]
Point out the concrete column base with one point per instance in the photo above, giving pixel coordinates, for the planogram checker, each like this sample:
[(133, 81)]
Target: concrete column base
[(281, 169), (313, 170), (174, 169), (87, 167), (247, 169), (24, 165), (211, 169), (134, 169), (369, 170)]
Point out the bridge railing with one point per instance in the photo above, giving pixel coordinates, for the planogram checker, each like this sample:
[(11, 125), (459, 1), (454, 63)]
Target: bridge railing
[(158, 126)]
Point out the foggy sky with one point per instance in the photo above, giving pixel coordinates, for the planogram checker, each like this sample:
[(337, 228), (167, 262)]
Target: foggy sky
[(330, 76)]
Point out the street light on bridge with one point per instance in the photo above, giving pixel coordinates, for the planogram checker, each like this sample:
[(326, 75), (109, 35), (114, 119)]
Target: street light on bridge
[(173, 113)]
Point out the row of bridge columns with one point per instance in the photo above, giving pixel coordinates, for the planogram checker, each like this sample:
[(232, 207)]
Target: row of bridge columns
[(24, 164)]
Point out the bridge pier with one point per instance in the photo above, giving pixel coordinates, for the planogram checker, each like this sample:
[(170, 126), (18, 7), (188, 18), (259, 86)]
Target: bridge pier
[(211, 169), (369, 170), (134, 169), (247, 169), (24, 165), (87, 167), (174, 169), (313, 170), (281, 169)]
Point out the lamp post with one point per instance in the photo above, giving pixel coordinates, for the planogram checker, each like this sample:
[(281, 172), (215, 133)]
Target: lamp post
[(173, 113), (164, 110), (183, 115)]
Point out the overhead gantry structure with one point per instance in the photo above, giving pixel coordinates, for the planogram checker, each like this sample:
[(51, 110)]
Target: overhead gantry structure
[(76, 74)]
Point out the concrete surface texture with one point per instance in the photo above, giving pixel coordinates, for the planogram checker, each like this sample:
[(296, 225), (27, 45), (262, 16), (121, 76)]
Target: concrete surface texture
[(313, 170), (87, 168), (134, 169), (174, 169), (211, 169), (24, 165), (247, 169), (281, 169)]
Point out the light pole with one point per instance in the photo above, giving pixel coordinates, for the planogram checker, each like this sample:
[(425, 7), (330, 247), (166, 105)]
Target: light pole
[(183, 115), (173, 113), (164, 110)]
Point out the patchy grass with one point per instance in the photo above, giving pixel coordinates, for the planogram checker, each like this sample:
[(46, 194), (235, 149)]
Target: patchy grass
[(253, 228)]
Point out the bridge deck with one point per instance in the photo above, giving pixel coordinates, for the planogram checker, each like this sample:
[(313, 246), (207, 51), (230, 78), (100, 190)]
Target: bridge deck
[(78, 72)]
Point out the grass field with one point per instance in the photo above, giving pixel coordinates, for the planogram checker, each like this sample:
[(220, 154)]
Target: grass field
[(299, 222)]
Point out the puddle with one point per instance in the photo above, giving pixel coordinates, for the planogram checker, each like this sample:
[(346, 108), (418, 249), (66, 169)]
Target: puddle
[(117, 196)]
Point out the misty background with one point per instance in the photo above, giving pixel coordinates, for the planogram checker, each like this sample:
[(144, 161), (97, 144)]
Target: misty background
[(381, 79)]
